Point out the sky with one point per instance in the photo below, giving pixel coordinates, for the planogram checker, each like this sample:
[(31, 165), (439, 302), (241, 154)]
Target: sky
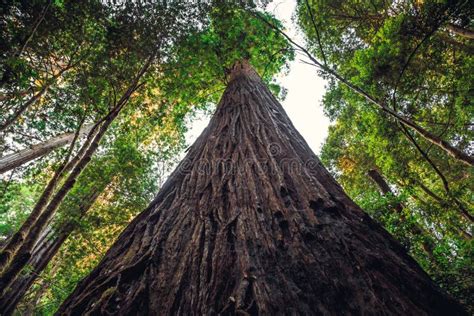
[(305, 90)]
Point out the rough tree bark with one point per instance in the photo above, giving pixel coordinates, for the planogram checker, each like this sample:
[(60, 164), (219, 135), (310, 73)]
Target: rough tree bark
[(21, 157), (250, 222)]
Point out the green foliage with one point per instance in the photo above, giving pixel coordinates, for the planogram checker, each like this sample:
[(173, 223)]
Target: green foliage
[(15, 201)]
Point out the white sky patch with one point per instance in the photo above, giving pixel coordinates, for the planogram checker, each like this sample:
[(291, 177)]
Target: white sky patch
[(303, 102)]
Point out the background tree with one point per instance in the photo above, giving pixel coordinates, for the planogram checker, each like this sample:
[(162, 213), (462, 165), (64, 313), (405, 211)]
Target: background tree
[(140, 62), (407, 55)]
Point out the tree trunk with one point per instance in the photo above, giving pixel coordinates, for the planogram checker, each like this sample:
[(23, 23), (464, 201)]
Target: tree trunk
[(458, 30), (24, 252), (451, 150), (250, 222), (21, 157), (16, 241), (383, 186), (415, 229)]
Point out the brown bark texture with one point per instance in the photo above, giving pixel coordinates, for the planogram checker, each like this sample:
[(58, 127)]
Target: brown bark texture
[(250, 222)]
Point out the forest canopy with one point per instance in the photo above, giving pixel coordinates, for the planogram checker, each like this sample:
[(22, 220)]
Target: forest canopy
[(96, 97)]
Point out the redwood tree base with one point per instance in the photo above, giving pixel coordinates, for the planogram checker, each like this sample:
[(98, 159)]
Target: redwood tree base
[(251, 223)]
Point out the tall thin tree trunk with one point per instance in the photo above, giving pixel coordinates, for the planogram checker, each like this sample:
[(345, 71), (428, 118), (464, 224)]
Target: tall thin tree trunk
[(250, 222), (23, 156), (383, 186), (428, 136), (16, 241), (23, 255), (415, 229), (458, 30)]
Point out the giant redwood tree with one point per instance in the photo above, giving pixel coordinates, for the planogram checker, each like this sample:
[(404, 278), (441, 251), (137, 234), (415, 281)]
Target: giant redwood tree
[(250, 222)]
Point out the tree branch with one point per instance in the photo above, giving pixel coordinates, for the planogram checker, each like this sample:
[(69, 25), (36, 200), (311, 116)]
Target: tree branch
[(448, 148)]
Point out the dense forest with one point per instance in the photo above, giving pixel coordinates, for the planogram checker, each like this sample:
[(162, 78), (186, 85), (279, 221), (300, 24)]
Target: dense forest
[(95, 101)]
